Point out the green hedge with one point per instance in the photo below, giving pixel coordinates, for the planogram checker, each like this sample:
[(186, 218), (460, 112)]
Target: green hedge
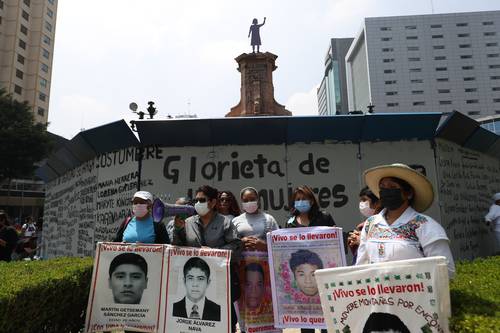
[(44, 296), (51, 296), (475, 296)]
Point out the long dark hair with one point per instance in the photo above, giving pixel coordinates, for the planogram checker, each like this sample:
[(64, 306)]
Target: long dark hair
[(234, 208), (309, 194)]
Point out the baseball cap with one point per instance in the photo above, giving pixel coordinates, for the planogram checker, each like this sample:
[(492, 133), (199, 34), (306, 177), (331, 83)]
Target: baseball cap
[(143, 195)]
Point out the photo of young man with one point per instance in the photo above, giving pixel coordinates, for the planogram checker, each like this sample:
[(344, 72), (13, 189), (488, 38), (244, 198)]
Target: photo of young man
[(254, 286), (128, 277), (303, 263), (195, 305)]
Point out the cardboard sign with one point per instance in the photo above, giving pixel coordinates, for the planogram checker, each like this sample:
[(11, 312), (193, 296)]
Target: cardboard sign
[(159, 288), (198, 290), (256, 303), (295, 254), (398, 296), (126, 288)]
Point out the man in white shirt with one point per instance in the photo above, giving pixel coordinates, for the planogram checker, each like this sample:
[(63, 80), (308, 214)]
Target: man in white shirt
[(493, 217), (195, 305), (29, 228)]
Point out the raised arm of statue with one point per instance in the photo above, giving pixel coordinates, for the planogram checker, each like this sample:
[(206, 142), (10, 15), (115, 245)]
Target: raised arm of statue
[(260, 25)]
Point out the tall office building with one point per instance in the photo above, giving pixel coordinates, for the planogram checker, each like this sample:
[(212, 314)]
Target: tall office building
[(332, 92), (27, 30), (439, 62)]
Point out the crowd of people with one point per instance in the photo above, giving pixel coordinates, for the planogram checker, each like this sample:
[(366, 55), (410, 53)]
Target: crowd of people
[(393, 226), (18, 241)]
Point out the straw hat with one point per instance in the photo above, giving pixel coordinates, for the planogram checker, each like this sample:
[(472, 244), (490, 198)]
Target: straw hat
[(422, 187)]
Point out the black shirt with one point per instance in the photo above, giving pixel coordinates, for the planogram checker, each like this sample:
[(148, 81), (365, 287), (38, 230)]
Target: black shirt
[(318, 219), (9, 235)]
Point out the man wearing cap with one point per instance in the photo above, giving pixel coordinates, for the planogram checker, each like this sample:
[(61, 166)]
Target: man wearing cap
[(493, 217), (400, 231), (128, 277), (140, 228)]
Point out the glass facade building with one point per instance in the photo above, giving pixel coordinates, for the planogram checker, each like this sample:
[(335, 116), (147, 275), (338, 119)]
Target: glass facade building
[(332, 92)]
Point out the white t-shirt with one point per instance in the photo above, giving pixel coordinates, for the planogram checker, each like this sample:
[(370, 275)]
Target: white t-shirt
[(412, 235), (257, 225), (29, 229), (493, 216)]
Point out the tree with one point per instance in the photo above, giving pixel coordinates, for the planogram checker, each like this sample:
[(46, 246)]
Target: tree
[(22, 141)]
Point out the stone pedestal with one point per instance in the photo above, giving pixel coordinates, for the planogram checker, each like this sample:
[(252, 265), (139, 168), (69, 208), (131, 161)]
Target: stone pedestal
[(257, 90)]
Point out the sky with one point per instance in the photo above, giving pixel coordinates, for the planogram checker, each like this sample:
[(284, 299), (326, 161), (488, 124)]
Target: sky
[(180, 54)]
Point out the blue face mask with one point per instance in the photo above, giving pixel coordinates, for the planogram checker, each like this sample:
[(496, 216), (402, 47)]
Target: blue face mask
[(302, 206)]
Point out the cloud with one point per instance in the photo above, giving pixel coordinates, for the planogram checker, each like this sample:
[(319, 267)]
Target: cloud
[(304, 103), (222, 52), (77, 112)]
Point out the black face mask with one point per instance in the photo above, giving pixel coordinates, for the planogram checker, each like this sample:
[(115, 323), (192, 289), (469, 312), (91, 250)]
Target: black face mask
[(391, 198)]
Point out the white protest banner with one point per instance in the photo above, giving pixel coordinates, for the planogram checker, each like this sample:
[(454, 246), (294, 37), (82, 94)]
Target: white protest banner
[(294, 256), (126, 291), (256, 303), (198, 293), (397, 296)]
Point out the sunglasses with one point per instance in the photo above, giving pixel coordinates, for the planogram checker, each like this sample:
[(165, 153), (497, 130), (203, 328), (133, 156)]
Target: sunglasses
[(225, 200), (200, 200)]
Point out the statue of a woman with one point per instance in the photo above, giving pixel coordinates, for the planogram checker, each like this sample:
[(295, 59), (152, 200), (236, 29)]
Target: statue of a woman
[(254, 30)]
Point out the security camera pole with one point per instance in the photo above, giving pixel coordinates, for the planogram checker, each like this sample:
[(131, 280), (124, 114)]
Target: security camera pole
[(140, 153)]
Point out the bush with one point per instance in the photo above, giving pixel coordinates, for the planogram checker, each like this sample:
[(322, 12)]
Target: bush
[(51, 296), (44, 296), (475, 296)]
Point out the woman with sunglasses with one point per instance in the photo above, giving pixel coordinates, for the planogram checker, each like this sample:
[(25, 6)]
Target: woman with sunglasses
[(208, 228), (253, 225), (227, 204), (211, 229)]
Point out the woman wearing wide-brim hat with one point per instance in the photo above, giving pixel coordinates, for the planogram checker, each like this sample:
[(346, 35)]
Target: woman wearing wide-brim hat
[(400, 231)]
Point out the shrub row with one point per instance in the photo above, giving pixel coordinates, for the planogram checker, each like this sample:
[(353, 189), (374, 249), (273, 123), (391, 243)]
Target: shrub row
[(475, 296), (44, 296), (51, 296)]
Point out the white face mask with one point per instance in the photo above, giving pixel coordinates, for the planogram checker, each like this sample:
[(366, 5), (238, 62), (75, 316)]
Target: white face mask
[(364, 208), (202, 208), (250, 207), (140, 210)]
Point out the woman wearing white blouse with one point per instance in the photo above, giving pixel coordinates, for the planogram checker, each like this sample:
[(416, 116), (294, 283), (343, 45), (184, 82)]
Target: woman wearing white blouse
[(400, 231)]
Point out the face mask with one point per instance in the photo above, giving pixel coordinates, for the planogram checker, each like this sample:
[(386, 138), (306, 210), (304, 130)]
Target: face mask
[(140, 210), (201, 208), (391, 198), (302, 206), (250, 207), (365, 210)]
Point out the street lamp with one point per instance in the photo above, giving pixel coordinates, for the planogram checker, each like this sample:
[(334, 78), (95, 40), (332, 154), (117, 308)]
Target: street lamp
[(150, 109), (140, 152)]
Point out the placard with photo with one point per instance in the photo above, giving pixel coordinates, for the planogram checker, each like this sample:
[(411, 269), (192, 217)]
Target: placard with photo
[(295, 254), (256, 304), (126, 291), (198, 290)]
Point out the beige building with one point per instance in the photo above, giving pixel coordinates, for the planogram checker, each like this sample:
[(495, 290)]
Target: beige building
[(27, 30)]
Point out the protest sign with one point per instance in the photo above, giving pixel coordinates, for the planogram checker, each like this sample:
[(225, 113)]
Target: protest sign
[(255, 304), (294, 256), (398, 296), (126, 291), (198, 290)]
